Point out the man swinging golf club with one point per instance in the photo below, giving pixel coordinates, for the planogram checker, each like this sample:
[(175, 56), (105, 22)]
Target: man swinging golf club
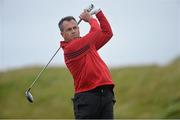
[(27, 92), (94, 97)]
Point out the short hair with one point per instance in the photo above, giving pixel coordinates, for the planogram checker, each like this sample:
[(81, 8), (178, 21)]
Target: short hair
[(67, 18)]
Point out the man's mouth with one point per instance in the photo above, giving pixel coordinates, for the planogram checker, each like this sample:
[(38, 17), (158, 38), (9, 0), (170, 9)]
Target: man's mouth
[(75, 36)]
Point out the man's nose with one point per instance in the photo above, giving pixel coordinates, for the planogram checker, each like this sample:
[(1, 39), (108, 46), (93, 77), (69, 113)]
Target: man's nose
[(73, 30)]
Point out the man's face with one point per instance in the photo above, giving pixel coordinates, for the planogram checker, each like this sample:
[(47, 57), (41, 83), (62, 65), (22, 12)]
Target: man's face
[(70, 30)]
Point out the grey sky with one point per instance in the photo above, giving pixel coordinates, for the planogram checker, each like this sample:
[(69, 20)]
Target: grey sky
[(145, 31)]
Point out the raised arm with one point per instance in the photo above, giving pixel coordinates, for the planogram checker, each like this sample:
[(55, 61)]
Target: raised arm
[(99, 34), (106, 32)]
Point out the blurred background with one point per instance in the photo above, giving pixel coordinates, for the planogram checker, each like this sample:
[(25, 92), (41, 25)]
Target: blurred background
[(143, 57)]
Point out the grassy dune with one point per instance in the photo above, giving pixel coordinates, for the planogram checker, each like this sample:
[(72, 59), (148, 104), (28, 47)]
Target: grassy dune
[(141, 92)]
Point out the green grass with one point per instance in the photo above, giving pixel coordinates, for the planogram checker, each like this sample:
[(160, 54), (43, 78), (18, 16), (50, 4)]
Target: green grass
[(141, 92)]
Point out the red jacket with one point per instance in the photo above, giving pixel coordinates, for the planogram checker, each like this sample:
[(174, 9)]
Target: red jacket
[(82, 59)]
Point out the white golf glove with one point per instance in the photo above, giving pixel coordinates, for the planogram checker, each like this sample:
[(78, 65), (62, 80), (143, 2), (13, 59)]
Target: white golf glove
[(95, 11)]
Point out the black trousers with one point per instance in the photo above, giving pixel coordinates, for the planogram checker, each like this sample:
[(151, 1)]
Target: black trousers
[(94, 104)]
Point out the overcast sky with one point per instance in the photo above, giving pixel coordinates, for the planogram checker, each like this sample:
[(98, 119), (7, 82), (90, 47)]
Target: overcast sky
[(145, 31)]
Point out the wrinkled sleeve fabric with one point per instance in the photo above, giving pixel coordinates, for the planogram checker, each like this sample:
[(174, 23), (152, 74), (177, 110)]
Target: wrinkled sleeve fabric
[(100, 33), (105, 33)]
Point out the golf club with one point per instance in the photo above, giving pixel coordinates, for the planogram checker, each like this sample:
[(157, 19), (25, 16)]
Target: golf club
[(28, 93)]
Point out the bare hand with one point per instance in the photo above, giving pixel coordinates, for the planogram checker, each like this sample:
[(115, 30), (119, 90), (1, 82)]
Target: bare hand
[(85, 16)]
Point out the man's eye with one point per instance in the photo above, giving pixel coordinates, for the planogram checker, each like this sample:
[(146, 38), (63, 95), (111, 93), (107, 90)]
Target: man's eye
[(75, 27), (69, 29)]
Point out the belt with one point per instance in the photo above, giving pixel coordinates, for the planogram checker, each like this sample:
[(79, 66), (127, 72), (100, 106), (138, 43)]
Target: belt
[(102, 89)]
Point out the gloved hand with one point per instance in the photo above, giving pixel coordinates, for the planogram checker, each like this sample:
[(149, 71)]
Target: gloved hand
[(85, 15), (95, 11)]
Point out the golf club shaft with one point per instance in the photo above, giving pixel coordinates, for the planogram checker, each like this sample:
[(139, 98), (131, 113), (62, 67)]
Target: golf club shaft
[(44, 68), (79, 21)]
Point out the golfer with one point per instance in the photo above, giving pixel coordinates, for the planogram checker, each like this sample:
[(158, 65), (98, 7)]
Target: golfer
[(94, 97)]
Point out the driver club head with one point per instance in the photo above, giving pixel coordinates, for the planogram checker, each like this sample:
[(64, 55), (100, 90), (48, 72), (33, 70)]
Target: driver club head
[(29, 96)]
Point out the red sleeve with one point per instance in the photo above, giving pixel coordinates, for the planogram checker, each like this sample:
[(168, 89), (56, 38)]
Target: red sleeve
[(93, 33), (99, 35), (94, 25), (105, 34)]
